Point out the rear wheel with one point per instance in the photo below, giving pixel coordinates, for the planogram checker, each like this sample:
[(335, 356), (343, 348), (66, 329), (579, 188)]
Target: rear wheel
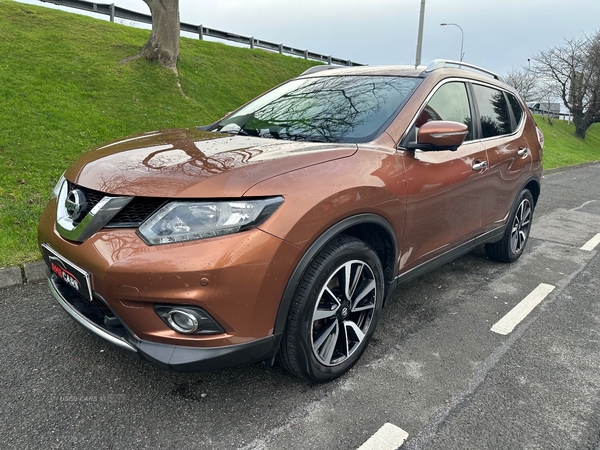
[(334, 312), (510, 248)]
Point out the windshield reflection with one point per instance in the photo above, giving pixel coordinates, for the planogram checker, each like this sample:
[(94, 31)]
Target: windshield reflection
[(326, 109)]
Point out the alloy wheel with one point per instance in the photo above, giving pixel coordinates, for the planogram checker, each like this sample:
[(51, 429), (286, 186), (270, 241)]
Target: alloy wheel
[(343, 312), (520, 227)]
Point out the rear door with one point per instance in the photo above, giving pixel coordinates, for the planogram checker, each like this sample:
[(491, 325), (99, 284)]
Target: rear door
[(501, 121)]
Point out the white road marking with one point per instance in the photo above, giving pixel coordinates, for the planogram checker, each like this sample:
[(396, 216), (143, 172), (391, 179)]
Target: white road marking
[(388, 437), (518, 313), (584, 205), (591, 244)]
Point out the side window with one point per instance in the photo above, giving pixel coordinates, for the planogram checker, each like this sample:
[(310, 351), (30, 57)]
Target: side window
[(450, 102), (516, 108), (493, 111)]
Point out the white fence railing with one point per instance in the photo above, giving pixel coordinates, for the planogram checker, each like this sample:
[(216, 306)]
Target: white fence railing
[(109, 9)]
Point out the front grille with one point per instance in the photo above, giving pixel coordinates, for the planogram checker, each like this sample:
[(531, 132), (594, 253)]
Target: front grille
[(92, 198), (101, 307), (94, 311), (96, 301), (132, 216), (136, 212)]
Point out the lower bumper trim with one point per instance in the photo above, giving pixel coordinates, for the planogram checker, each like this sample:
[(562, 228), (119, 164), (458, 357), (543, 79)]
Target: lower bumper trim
[(198, 359), (88, 325), (174, 357)]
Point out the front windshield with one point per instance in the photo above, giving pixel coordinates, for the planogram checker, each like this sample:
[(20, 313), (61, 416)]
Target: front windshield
[(323, 109)]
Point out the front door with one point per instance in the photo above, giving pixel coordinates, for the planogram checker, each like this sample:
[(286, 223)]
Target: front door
[(445, 189)]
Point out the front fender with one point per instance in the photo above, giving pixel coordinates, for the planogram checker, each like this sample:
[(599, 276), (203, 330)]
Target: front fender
[(325, 200)]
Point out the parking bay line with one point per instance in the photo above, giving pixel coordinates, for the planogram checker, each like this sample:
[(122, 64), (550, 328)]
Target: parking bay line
[(518, 313), (592, 243), (388, 437)]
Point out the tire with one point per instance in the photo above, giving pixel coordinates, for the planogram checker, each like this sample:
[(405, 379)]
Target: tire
[(334, 311), (510, 248)]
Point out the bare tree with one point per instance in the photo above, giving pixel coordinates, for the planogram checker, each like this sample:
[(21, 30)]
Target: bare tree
[(163, 44), (575, 68), (547, 92), (524, 81)]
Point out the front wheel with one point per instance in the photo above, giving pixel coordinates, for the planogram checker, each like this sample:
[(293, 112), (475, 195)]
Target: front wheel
[(334, 312), (517, 231)]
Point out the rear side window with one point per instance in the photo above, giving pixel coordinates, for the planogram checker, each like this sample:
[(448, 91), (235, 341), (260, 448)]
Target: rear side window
[(493, 111), (450, 102), (516, 108)]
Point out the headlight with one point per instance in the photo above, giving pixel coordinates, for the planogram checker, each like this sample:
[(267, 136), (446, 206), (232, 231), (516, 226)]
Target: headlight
[(59, 184), (189, 221)]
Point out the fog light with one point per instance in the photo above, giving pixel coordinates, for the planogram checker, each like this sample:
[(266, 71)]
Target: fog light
[(182, 321), (188, 319)]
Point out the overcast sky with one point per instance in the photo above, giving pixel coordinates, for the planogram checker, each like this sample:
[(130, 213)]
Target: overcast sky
[(498, 34)]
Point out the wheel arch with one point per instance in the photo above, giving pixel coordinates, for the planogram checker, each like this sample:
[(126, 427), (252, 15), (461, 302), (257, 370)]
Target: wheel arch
[(370, 228), (533, 184)]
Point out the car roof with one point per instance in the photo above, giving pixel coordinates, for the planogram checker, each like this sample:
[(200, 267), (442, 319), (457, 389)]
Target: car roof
[(333, 71), (466, 69)]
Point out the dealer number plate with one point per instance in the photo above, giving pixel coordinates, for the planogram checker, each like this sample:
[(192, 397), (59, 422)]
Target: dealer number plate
[(68, 272)]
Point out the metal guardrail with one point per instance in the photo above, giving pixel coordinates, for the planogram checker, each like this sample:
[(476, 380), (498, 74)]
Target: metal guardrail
[(116, 11)]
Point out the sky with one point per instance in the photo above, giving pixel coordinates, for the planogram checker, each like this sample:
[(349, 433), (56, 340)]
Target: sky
[(499, 35)]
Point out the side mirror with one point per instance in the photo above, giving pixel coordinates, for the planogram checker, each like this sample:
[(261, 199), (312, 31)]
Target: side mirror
[(439, 135)]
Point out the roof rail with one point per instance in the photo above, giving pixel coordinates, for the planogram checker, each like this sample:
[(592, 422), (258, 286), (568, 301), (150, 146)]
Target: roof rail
[(441, 63), (318, 68)]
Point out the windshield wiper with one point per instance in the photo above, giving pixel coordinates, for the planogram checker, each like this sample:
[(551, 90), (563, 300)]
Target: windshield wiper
[(231, 132)]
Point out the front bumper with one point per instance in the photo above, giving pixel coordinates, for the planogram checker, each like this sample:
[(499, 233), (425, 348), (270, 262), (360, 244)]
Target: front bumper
[(174, 357)]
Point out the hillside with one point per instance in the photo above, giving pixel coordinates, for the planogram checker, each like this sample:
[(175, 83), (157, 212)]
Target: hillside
[(562, 148), (63, 90)]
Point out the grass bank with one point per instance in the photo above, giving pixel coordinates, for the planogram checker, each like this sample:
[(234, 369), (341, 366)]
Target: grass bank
[(563, 149), (63, 90)]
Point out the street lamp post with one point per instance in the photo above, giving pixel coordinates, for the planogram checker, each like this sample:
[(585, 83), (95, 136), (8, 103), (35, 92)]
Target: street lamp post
[(420, 35), (462, 37)]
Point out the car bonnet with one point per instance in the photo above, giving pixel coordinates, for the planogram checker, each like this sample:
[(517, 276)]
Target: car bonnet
[(193, 163)]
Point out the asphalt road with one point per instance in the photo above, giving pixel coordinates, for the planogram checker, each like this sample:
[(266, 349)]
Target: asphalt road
[(434, 368)]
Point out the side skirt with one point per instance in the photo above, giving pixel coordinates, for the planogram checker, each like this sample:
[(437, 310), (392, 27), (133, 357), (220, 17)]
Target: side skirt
[(444, 258)]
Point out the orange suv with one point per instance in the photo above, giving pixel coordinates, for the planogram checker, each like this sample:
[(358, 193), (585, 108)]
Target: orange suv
[(278, 232)]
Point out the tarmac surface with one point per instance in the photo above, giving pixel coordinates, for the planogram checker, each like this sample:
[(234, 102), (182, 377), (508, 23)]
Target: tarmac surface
[(435, 370)]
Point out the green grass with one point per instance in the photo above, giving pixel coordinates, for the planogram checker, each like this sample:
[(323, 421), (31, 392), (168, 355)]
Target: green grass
[(63, 91), (563, 149)]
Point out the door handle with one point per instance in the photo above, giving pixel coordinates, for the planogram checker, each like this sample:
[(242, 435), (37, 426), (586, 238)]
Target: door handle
[(479, 166), (522, 151)]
